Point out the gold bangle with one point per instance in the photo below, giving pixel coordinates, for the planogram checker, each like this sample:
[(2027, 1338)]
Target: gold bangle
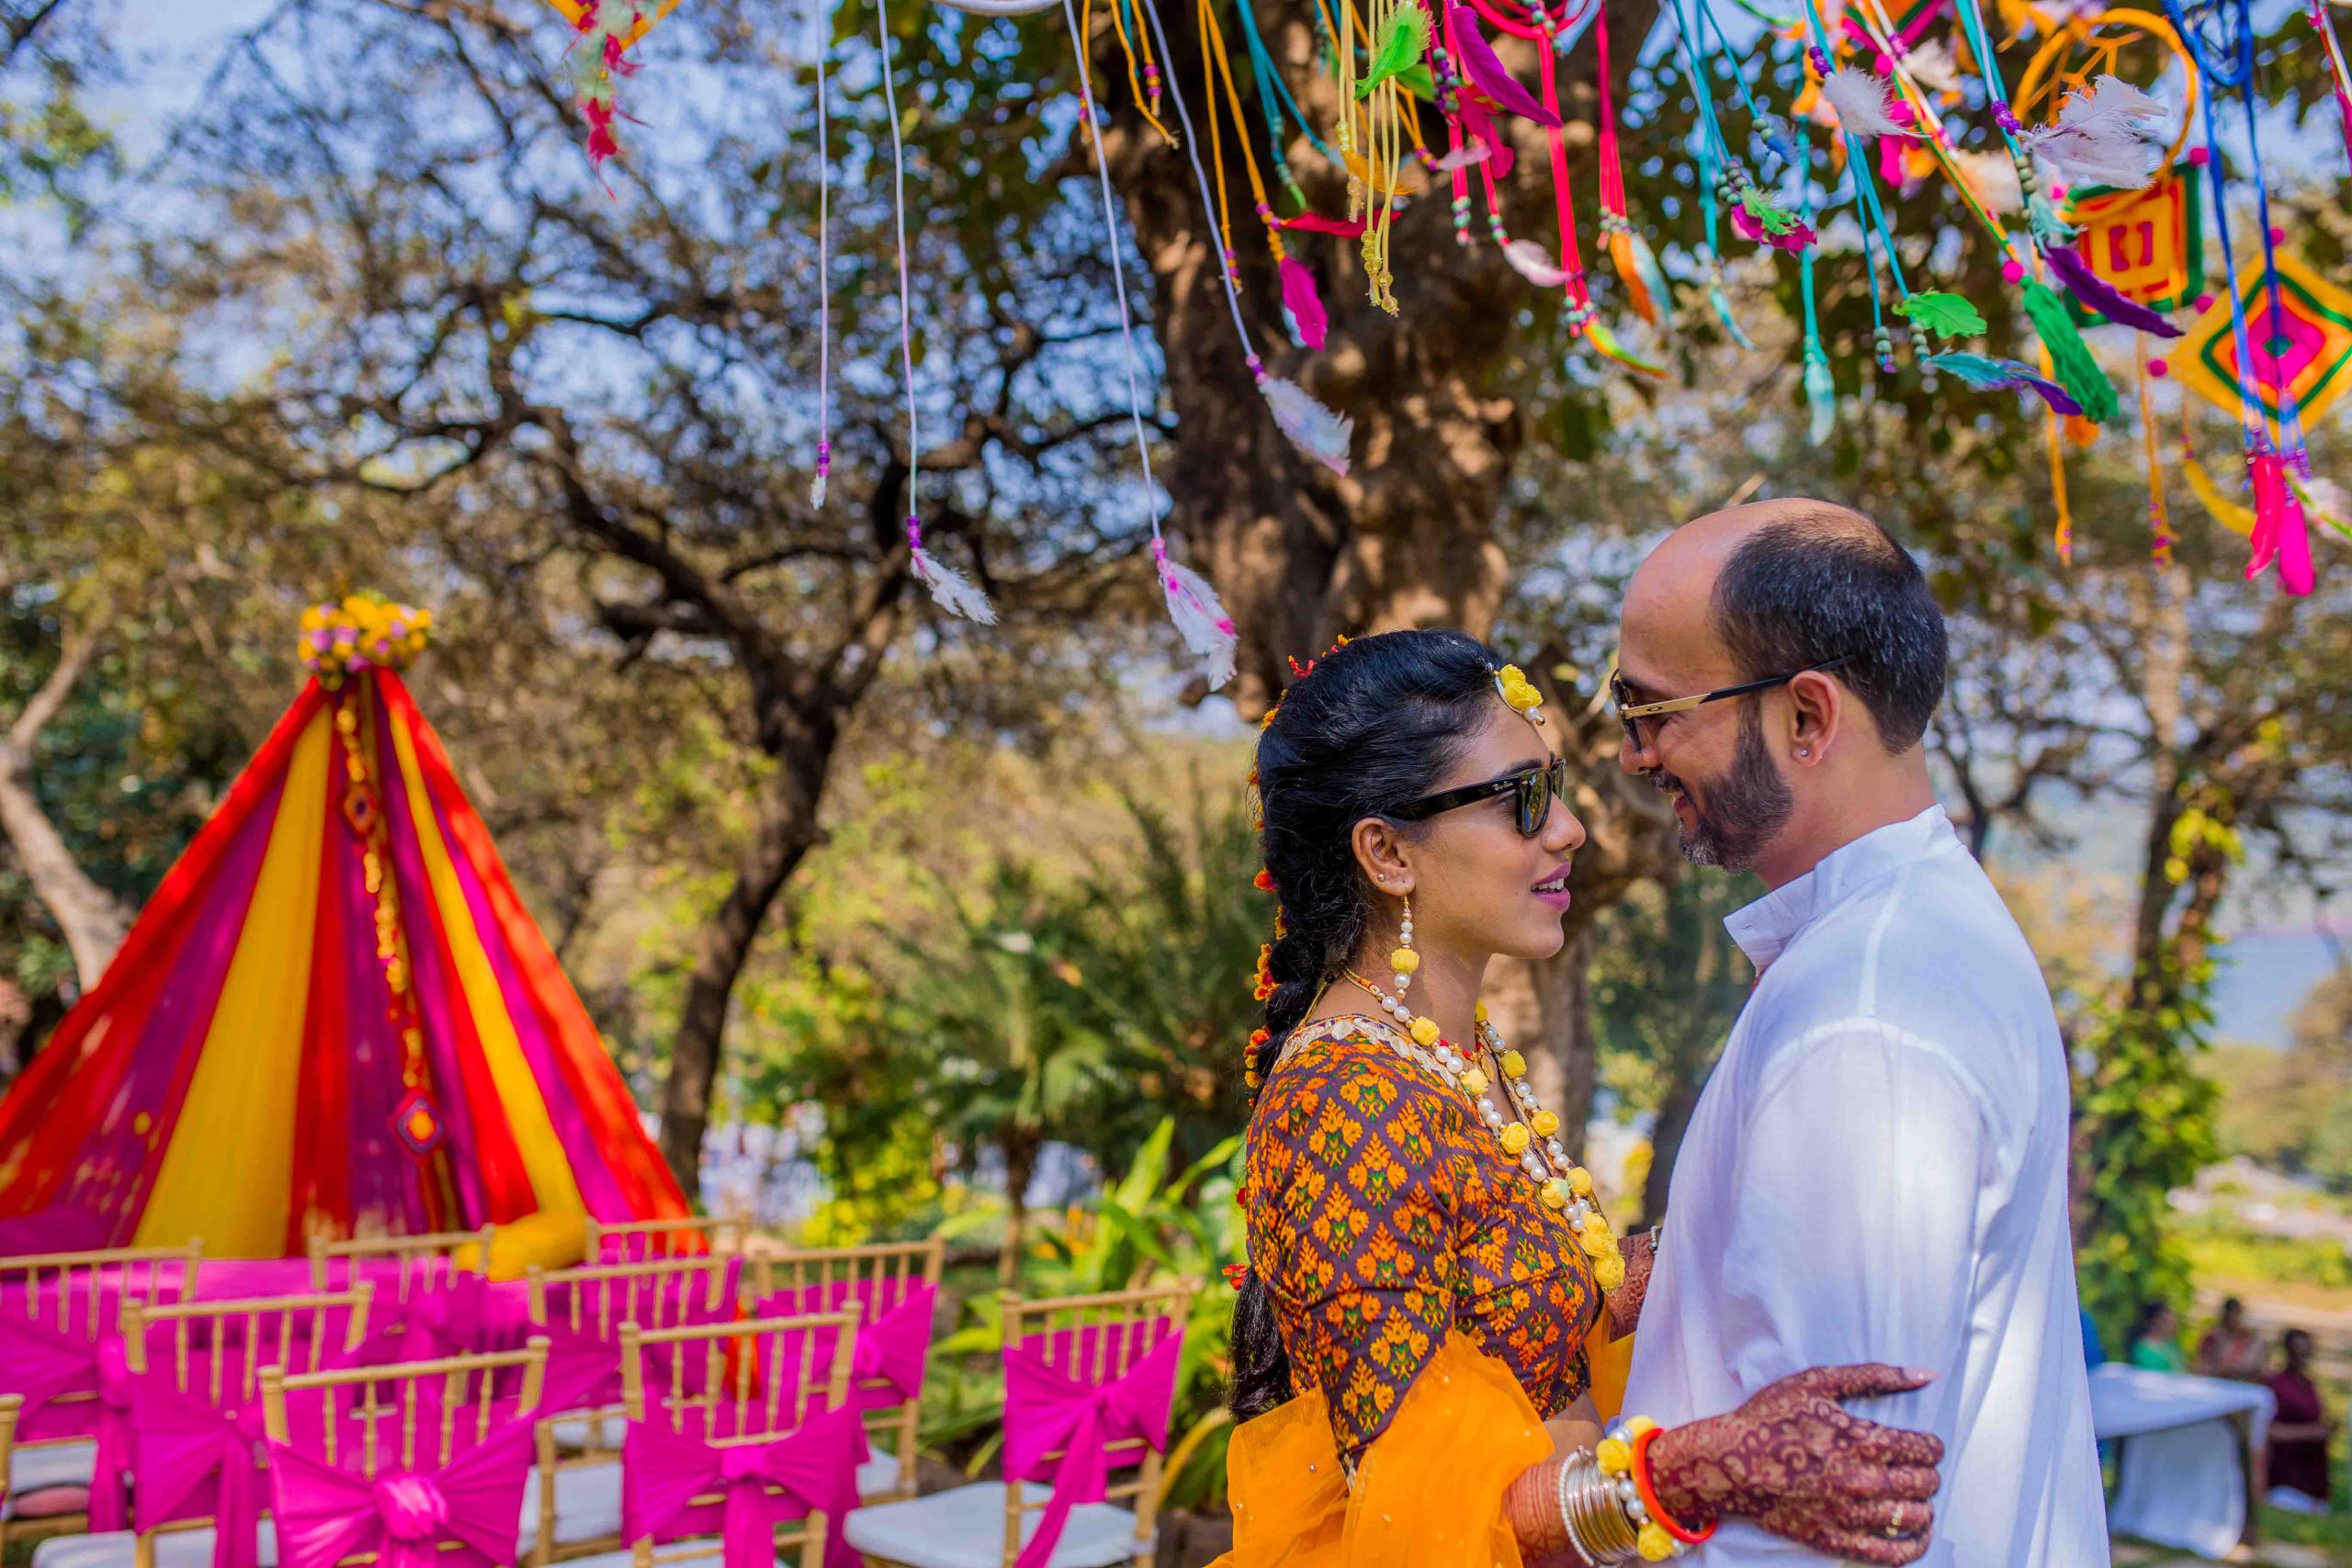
[(1595, 1517)]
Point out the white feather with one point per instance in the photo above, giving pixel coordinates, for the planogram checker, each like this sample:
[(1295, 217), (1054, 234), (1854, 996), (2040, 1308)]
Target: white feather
[(1200, 620), (1994, 180), (2324, 497), (2110, 135), (957, 594), (1312, 428), (1933, 66), (1534, 262), (1859, 98), (1475, 150)]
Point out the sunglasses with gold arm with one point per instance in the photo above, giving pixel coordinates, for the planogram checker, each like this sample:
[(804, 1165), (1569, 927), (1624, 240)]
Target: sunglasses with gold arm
[(1629, 713)]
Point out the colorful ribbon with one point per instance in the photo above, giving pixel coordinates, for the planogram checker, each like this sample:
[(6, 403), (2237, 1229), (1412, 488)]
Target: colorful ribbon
[(324, 1514), (1047, 1411), (811, 1468)]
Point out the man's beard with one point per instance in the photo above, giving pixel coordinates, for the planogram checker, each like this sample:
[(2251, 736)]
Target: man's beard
[(1745, 809)]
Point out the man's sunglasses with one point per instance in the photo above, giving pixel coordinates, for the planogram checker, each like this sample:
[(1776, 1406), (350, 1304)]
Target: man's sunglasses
[(1536, 788), (1629, 713)]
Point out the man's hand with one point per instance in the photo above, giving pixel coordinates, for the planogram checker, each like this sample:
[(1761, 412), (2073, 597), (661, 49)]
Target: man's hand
[(1626, 1301), (1796, 1462)]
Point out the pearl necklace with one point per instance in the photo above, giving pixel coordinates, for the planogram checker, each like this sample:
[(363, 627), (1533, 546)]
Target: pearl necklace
[(1567, 1187)]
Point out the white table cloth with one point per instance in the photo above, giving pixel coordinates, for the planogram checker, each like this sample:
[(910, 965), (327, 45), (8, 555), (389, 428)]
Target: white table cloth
[(2181, 1471)]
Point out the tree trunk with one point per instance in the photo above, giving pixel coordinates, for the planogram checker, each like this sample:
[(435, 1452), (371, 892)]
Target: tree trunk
[(1021, 1148), (1674, 1111), (94, 921), (785, 829)]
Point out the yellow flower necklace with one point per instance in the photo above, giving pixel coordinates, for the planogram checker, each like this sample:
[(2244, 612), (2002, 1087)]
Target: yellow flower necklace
[(1532, 1137)]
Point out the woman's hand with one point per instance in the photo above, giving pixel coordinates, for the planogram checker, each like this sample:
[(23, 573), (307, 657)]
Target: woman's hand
[(1796, 1462), (1625, 1301)]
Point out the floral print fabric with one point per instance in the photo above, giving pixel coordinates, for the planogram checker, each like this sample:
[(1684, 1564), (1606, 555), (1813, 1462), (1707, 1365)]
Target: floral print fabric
[(1381, 1214)]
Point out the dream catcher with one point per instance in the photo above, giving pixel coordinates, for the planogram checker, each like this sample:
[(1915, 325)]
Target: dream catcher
[(2285, 336), (598, 61)]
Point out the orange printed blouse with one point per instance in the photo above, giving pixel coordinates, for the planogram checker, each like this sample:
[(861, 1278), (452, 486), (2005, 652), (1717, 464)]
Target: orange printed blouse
[(1384, 1217)]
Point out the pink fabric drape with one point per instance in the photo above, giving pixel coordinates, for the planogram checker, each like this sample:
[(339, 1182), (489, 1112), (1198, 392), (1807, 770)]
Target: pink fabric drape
[(1050, 1405), (324, 1514), (811, 1468)]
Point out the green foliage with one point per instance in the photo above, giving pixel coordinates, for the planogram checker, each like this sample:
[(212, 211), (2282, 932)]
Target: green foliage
[(2293, 1110), (2218, 1247), (2147, 1120)]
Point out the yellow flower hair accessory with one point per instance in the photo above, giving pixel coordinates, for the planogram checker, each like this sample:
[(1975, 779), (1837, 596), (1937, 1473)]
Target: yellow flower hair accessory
[(1519, 692)]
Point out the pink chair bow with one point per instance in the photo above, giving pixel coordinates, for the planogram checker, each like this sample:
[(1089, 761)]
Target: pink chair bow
[(811, 1468), (1047, 1409), (190, 1457), (893, 1342), (324, 1514), (43, 1364)]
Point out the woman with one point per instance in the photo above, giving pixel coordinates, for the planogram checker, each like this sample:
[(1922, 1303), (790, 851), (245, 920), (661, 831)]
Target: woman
[(2230, 1348), (2300, 1432), (2155, 1340), (1426, 1265)]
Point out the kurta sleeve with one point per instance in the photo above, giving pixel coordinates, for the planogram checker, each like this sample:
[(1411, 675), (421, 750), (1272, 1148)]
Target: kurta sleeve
[(1857, 1221), (1357, 1184)]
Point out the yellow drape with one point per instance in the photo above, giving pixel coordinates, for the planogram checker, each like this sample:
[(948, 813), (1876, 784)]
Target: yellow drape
[(227, 1173), (544, 1161)]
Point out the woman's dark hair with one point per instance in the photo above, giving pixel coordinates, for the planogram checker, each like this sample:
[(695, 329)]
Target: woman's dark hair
[(2146, 1322), (1372, 724)]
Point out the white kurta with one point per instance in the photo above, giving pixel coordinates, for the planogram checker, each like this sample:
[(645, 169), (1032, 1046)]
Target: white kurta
[(1876, 1171)]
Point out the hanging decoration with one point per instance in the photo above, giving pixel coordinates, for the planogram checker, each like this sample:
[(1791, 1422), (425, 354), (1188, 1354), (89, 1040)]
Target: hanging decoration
[(2146, 246), (598, 61), (2299, 326)]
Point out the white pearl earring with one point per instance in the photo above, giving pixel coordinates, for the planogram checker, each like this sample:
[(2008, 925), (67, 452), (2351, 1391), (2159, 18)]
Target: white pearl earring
[(1402, 962)]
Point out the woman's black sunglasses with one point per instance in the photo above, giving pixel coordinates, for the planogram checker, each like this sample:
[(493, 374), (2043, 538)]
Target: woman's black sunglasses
[(1536, 788)]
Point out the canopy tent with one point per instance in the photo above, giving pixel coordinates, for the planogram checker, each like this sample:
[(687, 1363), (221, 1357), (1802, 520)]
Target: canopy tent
[(334, 1017)]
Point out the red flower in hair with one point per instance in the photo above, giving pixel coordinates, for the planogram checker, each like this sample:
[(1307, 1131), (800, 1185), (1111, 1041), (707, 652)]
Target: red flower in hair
[(1263, 882)]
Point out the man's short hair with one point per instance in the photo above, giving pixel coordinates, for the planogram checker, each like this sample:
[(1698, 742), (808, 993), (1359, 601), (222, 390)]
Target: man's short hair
[(1805, 590)]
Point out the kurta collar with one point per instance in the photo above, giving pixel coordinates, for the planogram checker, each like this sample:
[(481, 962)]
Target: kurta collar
[(1764, 929)]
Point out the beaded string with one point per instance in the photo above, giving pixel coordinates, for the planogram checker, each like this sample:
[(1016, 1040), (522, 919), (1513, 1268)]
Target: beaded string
[(1215, 63), (1147, 104), (906, 323), (824, 270)]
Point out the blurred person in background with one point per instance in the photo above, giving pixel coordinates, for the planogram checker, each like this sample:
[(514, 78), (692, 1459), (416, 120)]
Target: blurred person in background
[(2155, 1340), (2300, 1432), (2230, 1348)]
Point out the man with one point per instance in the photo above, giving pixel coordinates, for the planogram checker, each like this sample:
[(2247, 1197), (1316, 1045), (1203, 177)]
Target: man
[(1877, 1168)]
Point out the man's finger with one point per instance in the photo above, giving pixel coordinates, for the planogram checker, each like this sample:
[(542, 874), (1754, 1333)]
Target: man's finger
[(1867, 1380), (1903, 1515), (1885, 1550), (1895, 1445), (1916, 1481)]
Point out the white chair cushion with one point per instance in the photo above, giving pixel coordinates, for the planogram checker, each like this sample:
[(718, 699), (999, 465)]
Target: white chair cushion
[(587, 1506), (50, 1464), (876, 1476), (965, 1529), (116, 1549), (573, 1432), (624, 1559)]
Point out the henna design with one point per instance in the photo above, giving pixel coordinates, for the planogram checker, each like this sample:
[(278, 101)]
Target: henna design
[(1532, 1505), (1626, 1301), (1796, 1462)]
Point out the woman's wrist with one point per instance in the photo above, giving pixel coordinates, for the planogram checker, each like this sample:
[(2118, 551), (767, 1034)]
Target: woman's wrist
[(1531, 1506), (1679, 1477)]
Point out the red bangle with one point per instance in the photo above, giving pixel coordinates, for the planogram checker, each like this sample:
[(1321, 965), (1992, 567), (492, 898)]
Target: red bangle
[(1649, 1495)]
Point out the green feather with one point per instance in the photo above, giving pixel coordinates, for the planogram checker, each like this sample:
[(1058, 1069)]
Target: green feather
[(2042, 217), (1416, 79), (2070, 365), (1946, 315), (1775, 219), (1404, 38)]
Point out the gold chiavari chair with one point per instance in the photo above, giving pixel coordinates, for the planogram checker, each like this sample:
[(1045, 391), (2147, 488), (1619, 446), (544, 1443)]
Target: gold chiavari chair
[(736, 1383), (639, 1241), (591, 1302), (407, 1263), (216, 1352), (1089, 1338), (878, 1275), (409, 1416), (78, 1296)]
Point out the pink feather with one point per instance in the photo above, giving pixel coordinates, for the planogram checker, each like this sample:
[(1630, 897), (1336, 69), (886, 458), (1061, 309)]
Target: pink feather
[(1500, 156), (1306, 305), (1316, 223), (2280, 531), (1488, 73)]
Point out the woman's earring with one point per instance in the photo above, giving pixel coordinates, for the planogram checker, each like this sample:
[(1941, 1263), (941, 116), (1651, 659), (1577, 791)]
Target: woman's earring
[(1804, 750), (1403, 961)]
